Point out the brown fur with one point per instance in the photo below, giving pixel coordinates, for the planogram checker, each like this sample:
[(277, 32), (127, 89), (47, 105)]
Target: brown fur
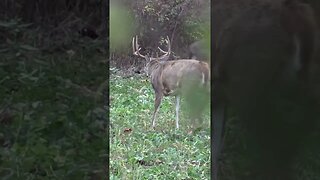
[(184, 77), (168, 75), (169, 78)]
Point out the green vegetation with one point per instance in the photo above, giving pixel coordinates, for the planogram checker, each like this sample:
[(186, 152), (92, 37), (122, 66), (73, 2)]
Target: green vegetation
[(53, 125), (137, 152)]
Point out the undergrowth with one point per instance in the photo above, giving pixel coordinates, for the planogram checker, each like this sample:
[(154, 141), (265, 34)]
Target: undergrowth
[(52, 119)]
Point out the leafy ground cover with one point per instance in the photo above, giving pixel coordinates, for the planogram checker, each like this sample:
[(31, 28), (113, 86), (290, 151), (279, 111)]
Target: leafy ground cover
[(52, 121), (137, 152)]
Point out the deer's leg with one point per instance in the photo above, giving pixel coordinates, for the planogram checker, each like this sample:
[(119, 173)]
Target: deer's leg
[(157, 103), (177, 111)]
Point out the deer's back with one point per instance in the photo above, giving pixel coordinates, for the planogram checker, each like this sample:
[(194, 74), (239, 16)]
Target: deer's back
[(178, 73)]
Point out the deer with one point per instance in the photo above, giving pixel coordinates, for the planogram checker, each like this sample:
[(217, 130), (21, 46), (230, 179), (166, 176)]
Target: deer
[(265, 53), (174, 78)]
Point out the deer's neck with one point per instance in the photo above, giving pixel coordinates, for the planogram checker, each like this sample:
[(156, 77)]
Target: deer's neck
[(154, 66)]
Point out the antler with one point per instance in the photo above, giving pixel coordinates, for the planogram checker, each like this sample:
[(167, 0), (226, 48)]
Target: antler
[(166, 53), (136, 50)]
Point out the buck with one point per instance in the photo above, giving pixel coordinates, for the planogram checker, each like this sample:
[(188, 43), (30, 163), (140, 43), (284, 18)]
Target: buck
[(264, 56), (174, 78)]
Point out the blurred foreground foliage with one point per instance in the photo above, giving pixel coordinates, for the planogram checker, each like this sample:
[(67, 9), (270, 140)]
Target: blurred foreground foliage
[(52, 118)]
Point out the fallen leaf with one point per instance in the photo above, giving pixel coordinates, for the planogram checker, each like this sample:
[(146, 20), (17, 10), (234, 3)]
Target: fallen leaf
[(127, 130)]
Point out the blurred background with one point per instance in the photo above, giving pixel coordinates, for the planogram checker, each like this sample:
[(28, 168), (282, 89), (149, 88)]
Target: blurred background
[(184, 21)]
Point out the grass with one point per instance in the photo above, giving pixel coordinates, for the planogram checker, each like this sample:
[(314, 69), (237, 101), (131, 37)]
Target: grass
[(51, 128), (137, 152)]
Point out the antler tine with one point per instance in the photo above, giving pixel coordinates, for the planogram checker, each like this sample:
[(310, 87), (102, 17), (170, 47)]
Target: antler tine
[(166, 54), (167, 39), (162, 50), (137, 45), (136, 48), (169, 44), (133, 47)]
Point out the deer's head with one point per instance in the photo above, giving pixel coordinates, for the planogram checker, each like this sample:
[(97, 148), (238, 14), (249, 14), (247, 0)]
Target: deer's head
[(151, 61)]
